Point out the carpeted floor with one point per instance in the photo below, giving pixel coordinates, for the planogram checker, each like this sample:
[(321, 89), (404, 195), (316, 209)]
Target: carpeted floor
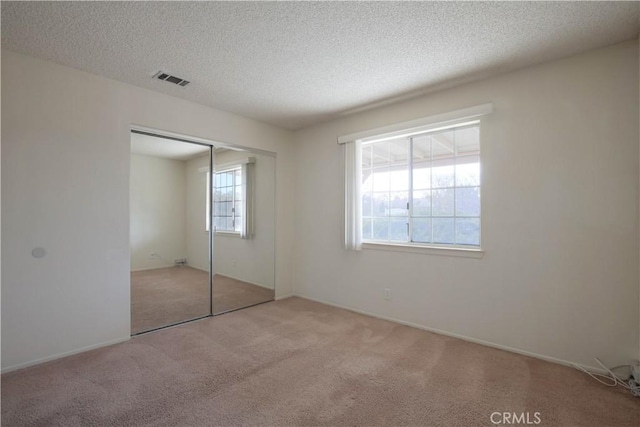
[(164, 296), (299, 363)]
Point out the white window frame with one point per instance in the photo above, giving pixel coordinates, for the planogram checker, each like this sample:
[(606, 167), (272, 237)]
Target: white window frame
[(234, 232), (246, 167), (353, 195)]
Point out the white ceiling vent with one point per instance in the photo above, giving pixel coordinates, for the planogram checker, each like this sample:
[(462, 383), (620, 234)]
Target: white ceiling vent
[(171, 79)]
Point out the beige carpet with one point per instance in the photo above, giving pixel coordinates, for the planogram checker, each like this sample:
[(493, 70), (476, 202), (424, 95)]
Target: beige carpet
[(164, 296), (299, 363)]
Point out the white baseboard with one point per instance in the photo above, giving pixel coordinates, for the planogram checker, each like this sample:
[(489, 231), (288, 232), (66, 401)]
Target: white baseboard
[(285, 296), (243, 280), (219, 274), (152, 268), (65, 354), (454, 335)]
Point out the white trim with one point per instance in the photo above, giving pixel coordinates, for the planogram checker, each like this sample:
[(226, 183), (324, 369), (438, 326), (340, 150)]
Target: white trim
[(198, 140), (65, 354), (285, 296), (234, 278), (152, 268), (458, 336), (226, 233), (424, 249), (420, 125), (169, 134), (241, 280)]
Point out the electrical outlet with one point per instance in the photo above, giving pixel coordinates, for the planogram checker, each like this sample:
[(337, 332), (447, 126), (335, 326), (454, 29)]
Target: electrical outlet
[(387, 294)]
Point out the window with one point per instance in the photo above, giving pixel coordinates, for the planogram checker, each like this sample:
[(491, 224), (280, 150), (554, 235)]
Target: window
[(227, 201), (424, 188), (233, 195)]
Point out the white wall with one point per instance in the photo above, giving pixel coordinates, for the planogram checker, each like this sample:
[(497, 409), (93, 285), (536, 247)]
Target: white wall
[(197, 237), (65, 187), (559, 277), (157, 206), (251, 260)]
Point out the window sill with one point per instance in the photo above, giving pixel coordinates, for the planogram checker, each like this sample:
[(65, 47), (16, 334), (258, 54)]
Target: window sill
[(422, 249), (226, 233)]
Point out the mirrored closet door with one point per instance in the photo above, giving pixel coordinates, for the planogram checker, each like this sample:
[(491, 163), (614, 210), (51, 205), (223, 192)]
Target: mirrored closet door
[(244, 228), (202, 230), (170, 264)]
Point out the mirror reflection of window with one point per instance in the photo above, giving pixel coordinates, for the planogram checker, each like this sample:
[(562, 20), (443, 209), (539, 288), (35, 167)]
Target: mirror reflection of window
[(233, 195), (228, 211)]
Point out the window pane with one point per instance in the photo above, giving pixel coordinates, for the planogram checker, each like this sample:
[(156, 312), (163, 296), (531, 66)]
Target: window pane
[(443, 230), (238, 177), (468, 171), (381, 179), (366, 204), (468, 201), (380, 229), (468, 231), (380, 153), (439, 172), (442, 202), (238, 209), (398, 229), (398, 203), (399, 179), (467, 140), (229, 226), (399, 150), (442, 146), (238, 193), (421, 230), (442, 174), (238, 224), (421, 175), (422, 203), (367, 180), (380, 204), (366, 228), (421, 148), (366, 156)]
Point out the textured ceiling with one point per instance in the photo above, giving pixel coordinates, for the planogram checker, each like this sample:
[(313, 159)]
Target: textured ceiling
[(293, 64)]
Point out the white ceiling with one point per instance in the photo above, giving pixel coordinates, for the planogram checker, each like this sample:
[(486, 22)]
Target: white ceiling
[(147, 145), (293, 64)]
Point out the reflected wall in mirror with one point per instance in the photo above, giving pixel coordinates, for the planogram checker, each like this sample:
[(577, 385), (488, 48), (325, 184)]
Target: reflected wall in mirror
[(244, 229), (170, 279)]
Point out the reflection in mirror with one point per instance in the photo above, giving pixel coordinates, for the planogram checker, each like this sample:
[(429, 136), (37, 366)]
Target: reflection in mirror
[(244, 229), (170, 280)]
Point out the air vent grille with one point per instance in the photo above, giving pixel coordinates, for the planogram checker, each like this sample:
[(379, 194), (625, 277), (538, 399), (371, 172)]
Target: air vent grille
[(161, 75)]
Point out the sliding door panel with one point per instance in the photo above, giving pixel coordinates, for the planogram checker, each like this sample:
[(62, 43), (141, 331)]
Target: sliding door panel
[(244, 229), (170, 255)]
